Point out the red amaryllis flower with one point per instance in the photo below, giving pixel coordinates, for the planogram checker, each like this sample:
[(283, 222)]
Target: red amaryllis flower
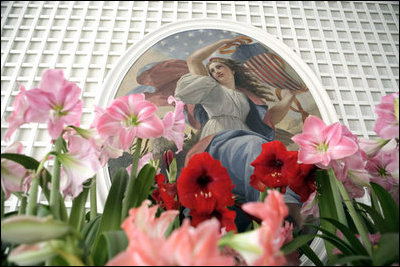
[(304, 184), (274, 167), (204, 184), (166, 194), (225, 216)]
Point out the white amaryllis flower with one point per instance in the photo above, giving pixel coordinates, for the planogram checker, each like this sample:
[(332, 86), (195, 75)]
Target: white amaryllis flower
[(14, 177), (81, 163)]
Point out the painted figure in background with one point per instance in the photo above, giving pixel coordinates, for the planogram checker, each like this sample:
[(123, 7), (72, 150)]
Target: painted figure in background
[(226, 100), (233, 114)]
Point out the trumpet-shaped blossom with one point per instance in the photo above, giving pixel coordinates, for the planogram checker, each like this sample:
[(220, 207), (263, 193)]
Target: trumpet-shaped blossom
[(310, 207), (272, 211), (225, 216), (262, 246), (57, 97), (387, 123), (204, 184), (129, 117), (382, 166), (146, 236), (274, 167), (108, 146), (189, 246), (80, 163), (370, 148), (174, 123), (21, 111), (320, 144), (351, 171), (166, 194), (14, 177)]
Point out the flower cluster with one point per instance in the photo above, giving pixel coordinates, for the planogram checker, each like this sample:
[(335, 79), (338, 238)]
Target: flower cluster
[(150, 218), (140, 223)]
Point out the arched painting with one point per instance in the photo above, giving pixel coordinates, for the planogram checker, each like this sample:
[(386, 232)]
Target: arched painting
[(156, 72), (156, 66)]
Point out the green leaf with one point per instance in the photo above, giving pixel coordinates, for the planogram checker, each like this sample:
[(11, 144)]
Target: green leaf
[(389, 207), (143, 185), (327, 206), (334, 240), (387, 251), (379, 221), (297, 242), (307, 251), (349, 235), (352, 258), (112, 243), (90, 230), (111, 218)]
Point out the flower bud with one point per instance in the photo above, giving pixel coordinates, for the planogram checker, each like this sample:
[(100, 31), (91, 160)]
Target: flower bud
[(168, 156), (26, 229), (34, 254)]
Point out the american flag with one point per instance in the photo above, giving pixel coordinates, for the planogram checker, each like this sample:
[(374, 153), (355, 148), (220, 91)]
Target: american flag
[(182, 44)]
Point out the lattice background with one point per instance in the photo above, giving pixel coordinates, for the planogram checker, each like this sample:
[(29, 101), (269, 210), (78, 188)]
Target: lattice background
[(353, 48)]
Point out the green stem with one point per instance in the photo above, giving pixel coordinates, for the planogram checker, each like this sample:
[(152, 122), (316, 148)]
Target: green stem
[(77, 214), (3, 197), (375, 202), (22, 206), (127, 202), (93, 199), (336, 197), (55, 182), (33, 194), (264, 194), (354, 215)]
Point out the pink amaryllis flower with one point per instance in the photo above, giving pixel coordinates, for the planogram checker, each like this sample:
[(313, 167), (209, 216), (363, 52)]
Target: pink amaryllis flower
[(174, 123), (80, 163), (384, 168), (14, 177), (320, 143), (351, 171), (189, 246), (272, 211), (129, 117), (387, 123), (310, 207), (262, 246), (59, 98), (146, 236), (21, 111)]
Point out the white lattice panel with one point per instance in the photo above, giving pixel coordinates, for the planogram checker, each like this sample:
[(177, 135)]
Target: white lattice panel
[(353, 48)]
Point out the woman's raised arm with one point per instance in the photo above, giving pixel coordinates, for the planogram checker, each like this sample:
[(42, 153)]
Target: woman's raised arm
[(195, 60)]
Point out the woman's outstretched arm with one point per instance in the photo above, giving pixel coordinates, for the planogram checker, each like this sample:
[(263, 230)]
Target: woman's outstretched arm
[(195, 60)]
